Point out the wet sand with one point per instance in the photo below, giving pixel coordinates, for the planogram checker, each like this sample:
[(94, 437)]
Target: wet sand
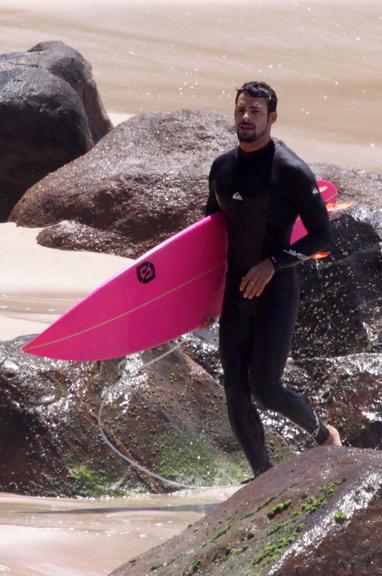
[(54, 537), (38, 284)]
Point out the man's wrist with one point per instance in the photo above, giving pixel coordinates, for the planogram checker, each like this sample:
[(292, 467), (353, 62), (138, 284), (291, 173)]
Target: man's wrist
[(273, 261)]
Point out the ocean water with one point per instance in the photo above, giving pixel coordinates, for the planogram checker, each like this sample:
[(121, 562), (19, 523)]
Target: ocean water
[(322, 57), (62, 537)]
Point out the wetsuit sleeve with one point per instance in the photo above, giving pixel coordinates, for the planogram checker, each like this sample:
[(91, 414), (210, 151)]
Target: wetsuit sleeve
[(306, 199), (212, 205)]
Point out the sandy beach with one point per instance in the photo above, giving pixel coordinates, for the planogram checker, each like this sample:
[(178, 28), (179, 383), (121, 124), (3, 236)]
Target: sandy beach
[(38, 284)]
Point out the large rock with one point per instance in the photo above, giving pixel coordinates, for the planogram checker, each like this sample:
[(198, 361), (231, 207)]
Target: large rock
[(50, 113), (169, 417), (140, 184), (348, 392), (341, 296), (47, 410), (318, 514), (145, 181), (344, 390)]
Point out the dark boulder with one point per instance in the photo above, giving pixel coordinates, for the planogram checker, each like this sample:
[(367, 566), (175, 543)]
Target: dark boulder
[(47, 410), (169, 417), (146, 181), (341, 296), (318, 514), (50, 113), (348, 392), (140, 184)]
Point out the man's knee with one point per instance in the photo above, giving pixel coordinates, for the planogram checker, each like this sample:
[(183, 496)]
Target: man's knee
[(270, 397)]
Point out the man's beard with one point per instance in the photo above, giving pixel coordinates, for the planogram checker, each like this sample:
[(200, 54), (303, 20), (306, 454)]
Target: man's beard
[(251, 136), (247, 137)]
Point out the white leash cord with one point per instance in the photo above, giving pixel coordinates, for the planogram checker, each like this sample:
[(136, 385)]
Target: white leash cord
[(123, 456)]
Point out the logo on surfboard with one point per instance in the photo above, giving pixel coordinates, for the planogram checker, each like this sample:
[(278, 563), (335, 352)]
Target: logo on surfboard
[(146, 272)]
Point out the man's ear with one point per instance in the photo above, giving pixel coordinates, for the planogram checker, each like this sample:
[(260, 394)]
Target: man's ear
[(273, 117)]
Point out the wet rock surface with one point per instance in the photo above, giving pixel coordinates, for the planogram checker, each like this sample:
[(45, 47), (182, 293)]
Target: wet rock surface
[(348, 391), (45, 425), (149, 174), (50, 113), (319, 513), (169, 417), (341, 296), (344, 390)]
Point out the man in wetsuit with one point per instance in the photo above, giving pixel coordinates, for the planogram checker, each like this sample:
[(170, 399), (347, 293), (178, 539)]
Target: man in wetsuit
[(262, 187)]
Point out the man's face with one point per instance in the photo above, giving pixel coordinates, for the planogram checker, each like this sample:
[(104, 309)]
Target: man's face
[(252, 121)]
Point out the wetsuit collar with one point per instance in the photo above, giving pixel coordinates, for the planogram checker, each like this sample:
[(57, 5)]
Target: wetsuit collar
[(264, 151)]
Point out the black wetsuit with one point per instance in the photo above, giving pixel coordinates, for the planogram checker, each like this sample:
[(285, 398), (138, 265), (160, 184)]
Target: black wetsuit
[(261, 194)]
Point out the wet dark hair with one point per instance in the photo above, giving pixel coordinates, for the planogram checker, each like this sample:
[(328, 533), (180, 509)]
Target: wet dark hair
[(259, 90)]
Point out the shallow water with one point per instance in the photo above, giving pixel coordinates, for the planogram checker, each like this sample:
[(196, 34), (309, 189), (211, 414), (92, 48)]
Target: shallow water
[(60, 537)]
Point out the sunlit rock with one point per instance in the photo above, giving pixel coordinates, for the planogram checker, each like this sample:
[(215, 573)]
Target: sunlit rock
[(146, 180), (348, 391), (168, 416), (318, 514)]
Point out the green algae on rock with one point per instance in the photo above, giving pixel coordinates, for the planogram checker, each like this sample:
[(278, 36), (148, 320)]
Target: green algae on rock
[(311, 494)]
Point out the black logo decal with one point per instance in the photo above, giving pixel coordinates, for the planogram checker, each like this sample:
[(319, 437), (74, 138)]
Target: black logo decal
[(146, 272)]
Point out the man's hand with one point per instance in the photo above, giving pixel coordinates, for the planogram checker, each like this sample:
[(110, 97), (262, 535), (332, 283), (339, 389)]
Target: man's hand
[(254, 282)]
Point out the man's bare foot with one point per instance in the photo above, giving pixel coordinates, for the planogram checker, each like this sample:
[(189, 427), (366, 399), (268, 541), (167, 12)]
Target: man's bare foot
[(334, 437)]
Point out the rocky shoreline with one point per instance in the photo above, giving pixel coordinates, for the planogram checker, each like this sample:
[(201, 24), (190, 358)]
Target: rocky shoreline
[(316, 514), (150, 174)]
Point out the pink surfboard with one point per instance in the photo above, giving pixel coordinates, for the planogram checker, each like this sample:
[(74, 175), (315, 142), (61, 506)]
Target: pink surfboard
[(167, 292), (329, 195)]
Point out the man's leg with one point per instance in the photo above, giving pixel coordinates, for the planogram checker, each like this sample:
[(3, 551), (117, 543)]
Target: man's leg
[(235, 353), (275, 321)]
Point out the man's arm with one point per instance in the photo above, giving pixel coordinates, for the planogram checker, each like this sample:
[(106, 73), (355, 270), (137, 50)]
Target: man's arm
[(306, 197), (212, 205)]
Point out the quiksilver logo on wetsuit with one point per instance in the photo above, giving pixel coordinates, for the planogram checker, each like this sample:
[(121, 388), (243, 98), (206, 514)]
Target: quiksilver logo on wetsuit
[(146, 272), (237, 196)]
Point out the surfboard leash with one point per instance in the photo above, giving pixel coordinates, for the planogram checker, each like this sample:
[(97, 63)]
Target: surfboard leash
[(131, 462)]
